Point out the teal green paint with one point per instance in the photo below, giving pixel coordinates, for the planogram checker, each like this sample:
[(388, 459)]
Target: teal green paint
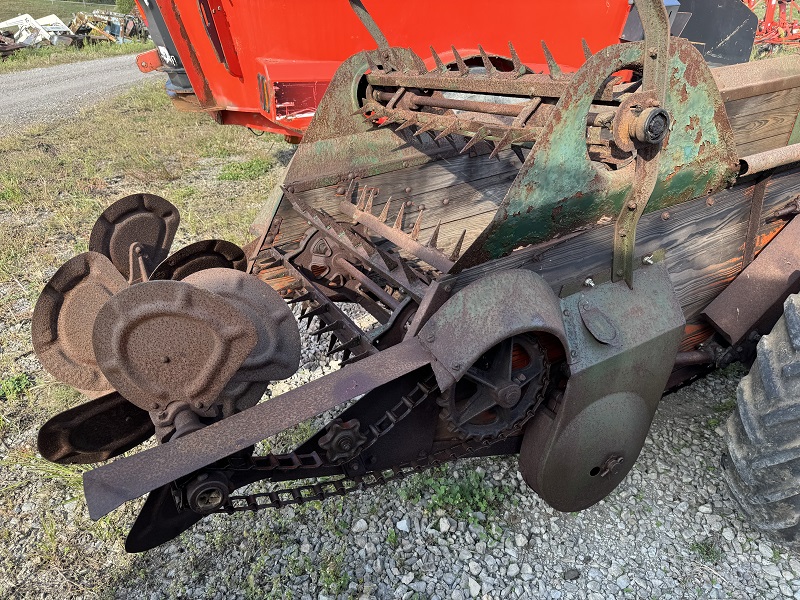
[(558, 189)]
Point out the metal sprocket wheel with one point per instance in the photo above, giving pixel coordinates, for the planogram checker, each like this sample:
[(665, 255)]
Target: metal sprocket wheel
[(499, 392)]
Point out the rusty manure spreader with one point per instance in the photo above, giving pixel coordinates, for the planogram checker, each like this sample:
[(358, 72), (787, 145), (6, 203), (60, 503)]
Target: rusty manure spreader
[(542, 255)]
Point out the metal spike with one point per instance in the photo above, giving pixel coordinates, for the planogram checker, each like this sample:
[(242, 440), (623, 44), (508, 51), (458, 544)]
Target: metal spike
[(518, 151), (335, 325), (439, 64), (587, 53), (354, 358), (385, 212), (314, 312), (435, 236), (502, 143), (398, 222), (331, 344), (519, 68), (463, 69), (487, 64), (300, 298), (552, 65), (432, 124), (392, 117), (451, 128), (351, 187), (352, 342), (362, 199), (480, 135), (457, 250), (417, 225), (413, 120), (370, 198)]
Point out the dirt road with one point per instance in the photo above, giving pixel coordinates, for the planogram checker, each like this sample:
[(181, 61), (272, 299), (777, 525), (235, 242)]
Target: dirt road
[(51, 93)]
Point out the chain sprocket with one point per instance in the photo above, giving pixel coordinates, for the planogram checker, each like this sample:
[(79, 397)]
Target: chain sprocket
[(499, 392)]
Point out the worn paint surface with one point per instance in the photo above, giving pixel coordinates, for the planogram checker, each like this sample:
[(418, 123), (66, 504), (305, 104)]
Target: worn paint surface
[(559, 188)]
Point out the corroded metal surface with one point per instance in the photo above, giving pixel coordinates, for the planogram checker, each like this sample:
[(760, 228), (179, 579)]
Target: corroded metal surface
[(277, 353), (145, 219), (206, 254), (94, 431), (167, 341), (61, 327)]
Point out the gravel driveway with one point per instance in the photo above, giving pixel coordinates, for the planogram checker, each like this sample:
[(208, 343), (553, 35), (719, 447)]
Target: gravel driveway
[(50, 93)]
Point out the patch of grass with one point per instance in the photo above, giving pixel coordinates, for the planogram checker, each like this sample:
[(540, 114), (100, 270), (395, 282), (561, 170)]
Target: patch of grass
[(48, 56), (332, 575), (245, 171), (707, 550), (12, 388), (391, 538), (68, 476)]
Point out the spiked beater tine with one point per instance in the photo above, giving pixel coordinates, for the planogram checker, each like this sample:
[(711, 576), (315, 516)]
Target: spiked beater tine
[(370, 198), (463, 69), (398, 222), (435, 236), (331, 344), (417, 225), (432, 124), (587, 53), (457, 250), (487, 64), (552, 65), (502, 143), (352, 359), (439, 64), (300, 298), (350, 188), (362, 199), (480, 135), (451, 128), (344, 346), (519, 68), (385, 212), (518, 151), (413, 120), (333, 326), (372, 66)]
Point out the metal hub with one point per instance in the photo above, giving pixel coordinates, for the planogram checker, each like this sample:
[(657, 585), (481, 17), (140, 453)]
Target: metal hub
[(499, 392)]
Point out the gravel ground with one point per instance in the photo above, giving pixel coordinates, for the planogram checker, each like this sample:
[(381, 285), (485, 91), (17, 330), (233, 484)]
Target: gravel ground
[(49, 93), (671, 530)]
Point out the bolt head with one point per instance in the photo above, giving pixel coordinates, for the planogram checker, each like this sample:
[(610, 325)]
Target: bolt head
[(632, 205)]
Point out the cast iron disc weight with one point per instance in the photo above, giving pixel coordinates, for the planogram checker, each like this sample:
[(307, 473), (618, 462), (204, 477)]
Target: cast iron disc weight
[(160, 342), (144, 218), (207, 254), (277, 353), (94, 431), (61, 328)]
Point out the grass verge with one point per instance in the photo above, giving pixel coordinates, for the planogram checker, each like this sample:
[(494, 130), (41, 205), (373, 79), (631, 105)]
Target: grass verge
[(49, 56), (42, 8)]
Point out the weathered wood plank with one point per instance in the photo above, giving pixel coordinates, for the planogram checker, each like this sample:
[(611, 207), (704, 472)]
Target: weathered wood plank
[(763, 103), (775, 125)]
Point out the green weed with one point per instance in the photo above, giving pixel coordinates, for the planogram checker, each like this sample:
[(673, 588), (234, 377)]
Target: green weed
[(245, 171), (14, 387), (707, 550)]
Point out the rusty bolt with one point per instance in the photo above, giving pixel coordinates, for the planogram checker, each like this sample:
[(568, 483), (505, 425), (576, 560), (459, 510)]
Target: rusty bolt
[(446, 201), (632, 205), (456, 366), (566, 312), (422, 207), (165, 359), (653, 102), (588, 282), (408, 203), (710, 202), (652, 52), (407, 190), (647, 260), (620, 272), (623, 233), (448, 288), (430, 338), (290, 189), (351, 176), (340, 190), (665, 215), (573, 353)]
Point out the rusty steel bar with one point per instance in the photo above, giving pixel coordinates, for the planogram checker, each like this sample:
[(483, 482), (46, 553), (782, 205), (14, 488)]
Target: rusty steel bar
[(342, 264), (495, 108), (763, 161), (111, 485), (694, 357)]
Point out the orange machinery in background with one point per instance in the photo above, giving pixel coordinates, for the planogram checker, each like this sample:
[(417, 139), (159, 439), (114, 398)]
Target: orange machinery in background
[(265, 64)]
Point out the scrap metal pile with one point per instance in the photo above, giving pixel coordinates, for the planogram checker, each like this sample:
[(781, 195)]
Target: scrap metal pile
[(543, 255), (23, 31)]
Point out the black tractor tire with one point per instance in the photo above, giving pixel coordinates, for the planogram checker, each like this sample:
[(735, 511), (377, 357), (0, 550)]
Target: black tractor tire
[(762, 466)]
